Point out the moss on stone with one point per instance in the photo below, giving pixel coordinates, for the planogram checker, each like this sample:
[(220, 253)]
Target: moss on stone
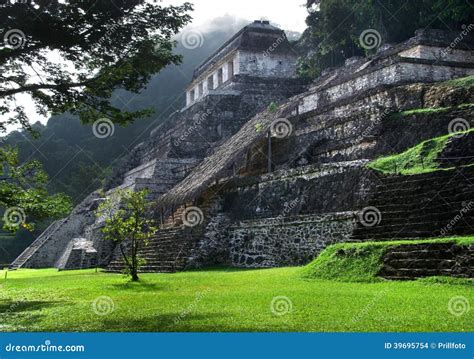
[(418, 111), (465, 82), (421, 158)]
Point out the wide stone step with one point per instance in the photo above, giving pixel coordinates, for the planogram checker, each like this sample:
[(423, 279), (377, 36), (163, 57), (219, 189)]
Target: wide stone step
[(405, 190), (419, 264), (410, 230), (424, 217), (437, 206), (413, 272), (434, 177), (422, 198), (420, 254)]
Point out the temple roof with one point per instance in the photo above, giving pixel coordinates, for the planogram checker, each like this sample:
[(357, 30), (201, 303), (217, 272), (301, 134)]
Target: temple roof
[(258, 36)]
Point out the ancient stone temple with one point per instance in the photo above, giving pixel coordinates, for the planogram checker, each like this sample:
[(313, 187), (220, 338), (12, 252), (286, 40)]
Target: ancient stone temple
[(260, 51), (261, 170)]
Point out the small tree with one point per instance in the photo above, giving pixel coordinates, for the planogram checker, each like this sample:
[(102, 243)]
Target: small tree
[(128, 225)]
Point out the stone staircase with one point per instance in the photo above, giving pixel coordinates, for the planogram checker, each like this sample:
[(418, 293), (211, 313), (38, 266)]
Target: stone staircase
[(170, 249), (167, 251), (411, 261), (31, 250), (434, 204), (175, 219)]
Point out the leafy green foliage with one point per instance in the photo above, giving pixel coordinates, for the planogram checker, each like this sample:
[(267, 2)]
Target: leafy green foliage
[(334, 26), (71, 55), (272, 107), (127, 224), (421, 158), (23, 193)]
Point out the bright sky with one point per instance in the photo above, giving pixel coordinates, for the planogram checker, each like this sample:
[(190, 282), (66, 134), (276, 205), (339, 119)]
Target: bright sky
[(287, 14)]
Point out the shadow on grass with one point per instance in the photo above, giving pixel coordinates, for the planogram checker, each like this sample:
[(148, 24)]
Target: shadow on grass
[(22, 315), (170, 322), (12, 306), (219, 269), (140, 286)]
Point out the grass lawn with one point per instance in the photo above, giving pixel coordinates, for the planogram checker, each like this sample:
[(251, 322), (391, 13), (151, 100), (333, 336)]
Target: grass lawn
[(225, 300)]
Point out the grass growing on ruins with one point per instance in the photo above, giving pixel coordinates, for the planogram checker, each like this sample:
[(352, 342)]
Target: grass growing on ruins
[(466, 82), (421, 158), (276, 299), (360, 262)]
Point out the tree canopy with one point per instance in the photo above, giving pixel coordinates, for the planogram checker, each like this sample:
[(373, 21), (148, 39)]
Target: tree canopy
[(70, 55), (23, 194), (335, 26)]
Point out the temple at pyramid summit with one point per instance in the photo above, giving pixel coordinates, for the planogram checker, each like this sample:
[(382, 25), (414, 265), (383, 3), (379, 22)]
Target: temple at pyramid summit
[(262, 168)]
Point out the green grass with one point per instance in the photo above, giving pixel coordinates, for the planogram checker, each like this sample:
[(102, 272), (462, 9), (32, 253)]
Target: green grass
[(429, 111), (360, 262), (225, 300), (419, 111), (466, 82), (421, 158)]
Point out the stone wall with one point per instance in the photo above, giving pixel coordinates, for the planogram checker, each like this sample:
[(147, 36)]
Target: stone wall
[(286, 241), (325, 188), (261, 64)]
